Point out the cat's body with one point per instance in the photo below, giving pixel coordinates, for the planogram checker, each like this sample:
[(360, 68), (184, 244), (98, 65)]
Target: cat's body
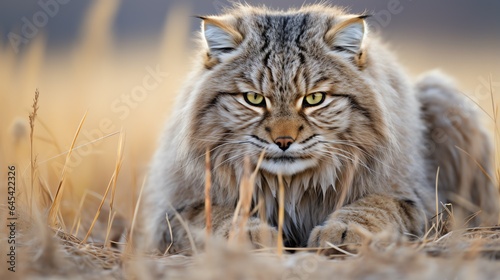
[(336, 116)]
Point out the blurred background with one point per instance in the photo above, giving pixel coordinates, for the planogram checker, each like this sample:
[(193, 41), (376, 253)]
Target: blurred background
[(123, 62)]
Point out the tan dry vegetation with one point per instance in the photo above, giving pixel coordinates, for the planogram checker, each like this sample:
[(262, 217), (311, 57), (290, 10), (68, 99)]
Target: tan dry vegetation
[(78, 184)]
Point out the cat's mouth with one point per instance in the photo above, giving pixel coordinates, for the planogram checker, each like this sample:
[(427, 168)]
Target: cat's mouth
[(282, 159), (287, 165)]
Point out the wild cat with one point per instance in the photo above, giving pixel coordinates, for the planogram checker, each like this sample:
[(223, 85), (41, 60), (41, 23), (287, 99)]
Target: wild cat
[(334, 113)]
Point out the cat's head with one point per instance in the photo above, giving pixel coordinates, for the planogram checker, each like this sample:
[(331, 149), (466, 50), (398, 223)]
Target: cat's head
[(290, 83)]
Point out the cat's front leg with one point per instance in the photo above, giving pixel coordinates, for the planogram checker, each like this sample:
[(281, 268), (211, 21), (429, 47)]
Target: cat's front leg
[(373, 213)]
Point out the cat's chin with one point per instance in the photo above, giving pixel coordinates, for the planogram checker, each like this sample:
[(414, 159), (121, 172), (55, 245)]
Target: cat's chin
[(288, 168)]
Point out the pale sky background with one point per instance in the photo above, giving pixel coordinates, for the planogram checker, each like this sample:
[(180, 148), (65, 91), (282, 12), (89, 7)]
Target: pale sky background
[(445, 20)]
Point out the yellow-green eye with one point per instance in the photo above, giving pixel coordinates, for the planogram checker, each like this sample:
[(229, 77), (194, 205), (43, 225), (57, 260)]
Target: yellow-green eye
[(314, 99), (255, 99)]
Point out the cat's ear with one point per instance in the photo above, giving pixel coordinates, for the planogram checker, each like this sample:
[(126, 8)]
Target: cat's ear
[(346, 38), (221, 35)]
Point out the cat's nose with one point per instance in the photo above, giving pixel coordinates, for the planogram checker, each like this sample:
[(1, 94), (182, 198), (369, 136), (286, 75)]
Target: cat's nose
[(284, 142)]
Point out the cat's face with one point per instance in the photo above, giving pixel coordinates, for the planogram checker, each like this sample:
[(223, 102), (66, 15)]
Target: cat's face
[(289, 85)]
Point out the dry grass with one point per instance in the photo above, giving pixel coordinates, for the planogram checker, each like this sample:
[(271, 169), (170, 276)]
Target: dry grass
[(81, 231)]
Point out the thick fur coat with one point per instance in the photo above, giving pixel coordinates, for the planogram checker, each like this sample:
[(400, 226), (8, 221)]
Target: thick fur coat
[(334, 114)]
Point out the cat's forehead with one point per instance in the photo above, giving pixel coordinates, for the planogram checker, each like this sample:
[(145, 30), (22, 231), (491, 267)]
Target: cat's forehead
[(282, 48), (281, 22), (285, 28)]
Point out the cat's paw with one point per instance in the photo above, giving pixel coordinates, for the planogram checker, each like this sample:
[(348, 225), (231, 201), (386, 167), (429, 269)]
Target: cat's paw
[(261, 235), (334, 232)]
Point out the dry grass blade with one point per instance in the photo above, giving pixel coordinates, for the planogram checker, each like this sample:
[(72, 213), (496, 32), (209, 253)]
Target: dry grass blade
[(340, 249), (477, 163), (497, 148), (119, 161), (170, 234), (478, 105), (493, 105), (208, 200), (32, 118), (188, 232), (54, 208), (425, 238), (496, 135), (464, 203), (111, 185), (236, 215), (107, 241), (246, 191), (257, 167), (81, 146), (78, 216), (471, 217), (450, 216), (437, 200), (243, 209), (281, 213), (89, 231), (46, 197), (134, 218)]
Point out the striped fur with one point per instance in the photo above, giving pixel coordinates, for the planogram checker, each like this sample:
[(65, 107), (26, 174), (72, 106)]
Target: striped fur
[(358, 158)]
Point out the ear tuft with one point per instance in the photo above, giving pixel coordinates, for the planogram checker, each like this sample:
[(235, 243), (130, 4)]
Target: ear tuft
[(347, 37), (220, 35)]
